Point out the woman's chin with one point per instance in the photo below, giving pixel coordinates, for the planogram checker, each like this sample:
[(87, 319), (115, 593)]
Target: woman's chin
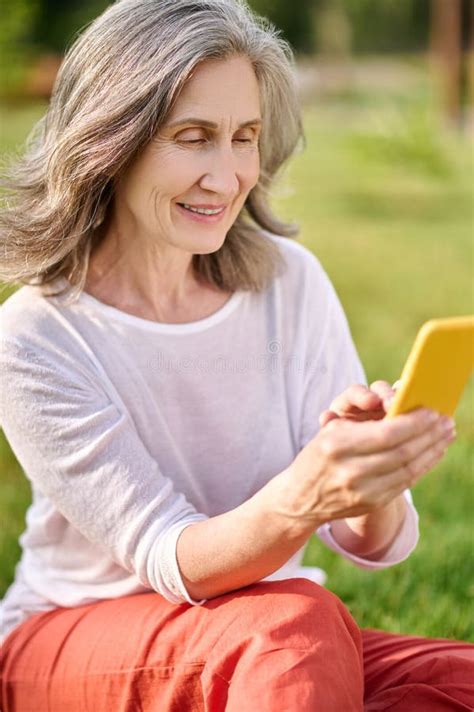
[(197, 245)]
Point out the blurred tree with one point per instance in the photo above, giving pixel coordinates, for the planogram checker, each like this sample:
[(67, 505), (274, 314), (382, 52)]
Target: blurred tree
[(452, 48), (16, 39), (58, 23), (332, 35), (375, 25), (332, 29), (468, 25), (446, 43), (388, 25), (293, 18)]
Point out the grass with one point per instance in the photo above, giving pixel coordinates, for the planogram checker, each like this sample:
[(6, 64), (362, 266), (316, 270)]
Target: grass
[(384, 198)]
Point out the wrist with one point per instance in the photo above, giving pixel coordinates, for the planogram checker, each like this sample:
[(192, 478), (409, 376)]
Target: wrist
[(371, 535), (288, 511)]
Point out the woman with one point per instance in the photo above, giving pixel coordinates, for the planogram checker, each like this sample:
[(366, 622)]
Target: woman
[(167, 363)]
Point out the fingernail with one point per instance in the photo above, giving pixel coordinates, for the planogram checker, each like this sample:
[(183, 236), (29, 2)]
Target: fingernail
[(448, 424), (432, 416)]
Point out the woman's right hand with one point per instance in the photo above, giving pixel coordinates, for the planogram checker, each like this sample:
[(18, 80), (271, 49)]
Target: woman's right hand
[(351, 468)]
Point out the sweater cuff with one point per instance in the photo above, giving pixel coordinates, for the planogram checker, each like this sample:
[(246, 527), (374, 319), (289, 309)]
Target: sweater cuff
[(400, 549), (174, 589)]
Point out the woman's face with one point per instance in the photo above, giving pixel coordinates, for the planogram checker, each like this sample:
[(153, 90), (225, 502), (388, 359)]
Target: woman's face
[(205, 157)]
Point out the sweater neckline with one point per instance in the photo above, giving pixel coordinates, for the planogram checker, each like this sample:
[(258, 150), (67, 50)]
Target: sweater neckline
[(91, 303)]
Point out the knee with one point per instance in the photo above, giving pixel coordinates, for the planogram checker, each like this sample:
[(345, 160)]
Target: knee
[(300, 587), (296, 604), (299, 590), (289, 615), (298, 593)]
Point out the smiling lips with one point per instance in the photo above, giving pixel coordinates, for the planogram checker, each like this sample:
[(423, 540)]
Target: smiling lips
[(204, 209), (202, 213)]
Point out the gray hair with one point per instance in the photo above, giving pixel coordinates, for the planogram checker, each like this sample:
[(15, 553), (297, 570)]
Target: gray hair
[(115, 88)]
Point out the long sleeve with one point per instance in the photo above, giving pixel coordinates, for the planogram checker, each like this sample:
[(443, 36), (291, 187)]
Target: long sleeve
[(400, 550), (333, 362), (84, 454), (336, 367)]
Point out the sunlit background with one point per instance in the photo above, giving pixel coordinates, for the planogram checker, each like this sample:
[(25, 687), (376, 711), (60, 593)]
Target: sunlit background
[(384, 197)]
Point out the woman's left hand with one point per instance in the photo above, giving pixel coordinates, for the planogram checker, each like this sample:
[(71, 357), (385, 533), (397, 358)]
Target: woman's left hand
[(359, 402)]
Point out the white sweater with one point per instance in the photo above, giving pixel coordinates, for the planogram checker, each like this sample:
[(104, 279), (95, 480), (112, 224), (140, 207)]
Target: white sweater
[(129, 430)]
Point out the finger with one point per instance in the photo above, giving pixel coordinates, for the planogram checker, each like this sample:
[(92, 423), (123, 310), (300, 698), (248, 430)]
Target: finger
[(356, 397), (375, 436), (437, 456), (326, 416), (385, 391), (358, 415), (382, 490), (411, 472), (382, 388), (407, 452)]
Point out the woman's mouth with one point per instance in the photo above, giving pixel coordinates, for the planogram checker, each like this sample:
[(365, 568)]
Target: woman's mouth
[(202, 213)]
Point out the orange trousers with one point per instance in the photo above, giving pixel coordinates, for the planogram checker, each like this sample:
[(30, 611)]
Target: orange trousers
[(286, 646)]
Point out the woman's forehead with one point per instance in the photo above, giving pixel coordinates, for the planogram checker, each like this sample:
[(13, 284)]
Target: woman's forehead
[(217, 89)]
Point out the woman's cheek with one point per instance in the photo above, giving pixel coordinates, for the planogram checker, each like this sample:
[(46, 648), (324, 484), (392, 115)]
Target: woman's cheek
[(253, 173), (187, 168)]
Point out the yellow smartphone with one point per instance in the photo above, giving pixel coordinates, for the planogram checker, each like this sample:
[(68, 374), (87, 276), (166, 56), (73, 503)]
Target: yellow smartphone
[(438, 367)]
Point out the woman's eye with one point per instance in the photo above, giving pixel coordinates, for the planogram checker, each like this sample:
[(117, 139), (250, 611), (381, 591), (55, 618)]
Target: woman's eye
[(185, 139), (195, 141), (192, 137), (246, 137)]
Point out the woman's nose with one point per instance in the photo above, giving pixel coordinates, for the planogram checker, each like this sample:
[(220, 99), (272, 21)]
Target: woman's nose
[(221, 173)]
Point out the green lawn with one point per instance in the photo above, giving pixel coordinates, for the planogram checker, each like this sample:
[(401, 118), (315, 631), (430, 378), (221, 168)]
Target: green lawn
[(384, 198)]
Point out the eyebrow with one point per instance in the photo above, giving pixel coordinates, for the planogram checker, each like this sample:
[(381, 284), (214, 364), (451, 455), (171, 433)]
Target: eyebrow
[(210, 124)]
